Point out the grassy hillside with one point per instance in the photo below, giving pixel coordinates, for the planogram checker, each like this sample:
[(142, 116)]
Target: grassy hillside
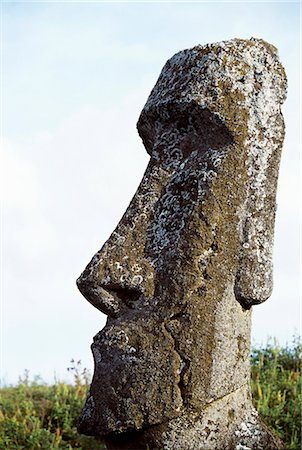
[(276, 389), (37, 416)]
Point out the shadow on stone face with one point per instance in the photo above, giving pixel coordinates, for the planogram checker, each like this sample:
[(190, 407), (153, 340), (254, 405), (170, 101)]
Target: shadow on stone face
[(200, 128)]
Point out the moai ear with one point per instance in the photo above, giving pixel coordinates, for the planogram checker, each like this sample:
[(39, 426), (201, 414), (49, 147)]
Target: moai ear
[(254, 279)]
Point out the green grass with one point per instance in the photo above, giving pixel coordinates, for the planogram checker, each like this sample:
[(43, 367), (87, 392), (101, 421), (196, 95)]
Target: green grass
[(276, 389), (34, 415)]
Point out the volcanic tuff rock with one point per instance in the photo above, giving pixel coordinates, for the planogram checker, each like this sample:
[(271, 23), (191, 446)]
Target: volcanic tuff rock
[(191, 255)]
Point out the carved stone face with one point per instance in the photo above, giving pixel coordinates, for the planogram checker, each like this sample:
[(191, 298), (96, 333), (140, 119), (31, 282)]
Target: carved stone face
[(167, 275), (137, 279)]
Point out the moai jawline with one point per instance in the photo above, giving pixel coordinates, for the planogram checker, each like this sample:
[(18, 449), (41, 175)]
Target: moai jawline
[(191, 255)]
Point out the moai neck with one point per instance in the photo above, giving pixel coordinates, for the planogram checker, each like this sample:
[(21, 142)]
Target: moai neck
[(229, 423), (192, 254)]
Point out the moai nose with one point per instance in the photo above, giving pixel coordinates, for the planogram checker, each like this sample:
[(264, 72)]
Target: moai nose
[(120, 276)]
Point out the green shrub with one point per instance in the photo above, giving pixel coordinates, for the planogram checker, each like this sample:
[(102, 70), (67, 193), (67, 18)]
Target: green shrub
[(276, 389), (36, 416)]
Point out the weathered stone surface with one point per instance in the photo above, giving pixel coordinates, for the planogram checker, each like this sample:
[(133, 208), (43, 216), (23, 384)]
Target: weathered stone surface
[(191, 255)]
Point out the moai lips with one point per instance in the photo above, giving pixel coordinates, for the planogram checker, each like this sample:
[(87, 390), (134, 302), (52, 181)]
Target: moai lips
[(191, 255)]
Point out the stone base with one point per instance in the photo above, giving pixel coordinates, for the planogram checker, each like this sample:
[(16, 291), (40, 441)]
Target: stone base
[(229, 423)]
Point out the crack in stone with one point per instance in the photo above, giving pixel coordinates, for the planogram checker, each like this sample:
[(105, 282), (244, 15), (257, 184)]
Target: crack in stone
[(184, 370), (225, 395)]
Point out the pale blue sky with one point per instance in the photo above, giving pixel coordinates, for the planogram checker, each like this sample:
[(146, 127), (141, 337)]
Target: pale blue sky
[(75, 78)]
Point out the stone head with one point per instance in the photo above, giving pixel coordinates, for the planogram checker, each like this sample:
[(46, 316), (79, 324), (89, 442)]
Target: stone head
[(193, 252)]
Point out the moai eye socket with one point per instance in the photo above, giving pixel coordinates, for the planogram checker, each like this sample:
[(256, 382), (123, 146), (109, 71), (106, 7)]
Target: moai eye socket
[(172, 132)]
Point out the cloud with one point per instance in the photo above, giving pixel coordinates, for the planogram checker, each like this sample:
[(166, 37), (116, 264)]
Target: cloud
[(18, 178)]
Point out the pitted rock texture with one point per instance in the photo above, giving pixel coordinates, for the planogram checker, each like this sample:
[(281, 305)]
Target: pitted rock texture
[(191, 255)]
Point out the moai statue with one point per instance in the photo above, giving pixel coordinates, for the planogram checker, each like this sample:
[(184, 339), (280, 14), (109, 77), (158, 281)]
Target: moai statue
[(191, 255)]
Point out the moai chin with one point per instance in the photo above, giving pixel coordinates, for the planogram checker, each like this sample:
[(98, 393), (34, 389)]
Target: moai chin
[(191, 255)]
